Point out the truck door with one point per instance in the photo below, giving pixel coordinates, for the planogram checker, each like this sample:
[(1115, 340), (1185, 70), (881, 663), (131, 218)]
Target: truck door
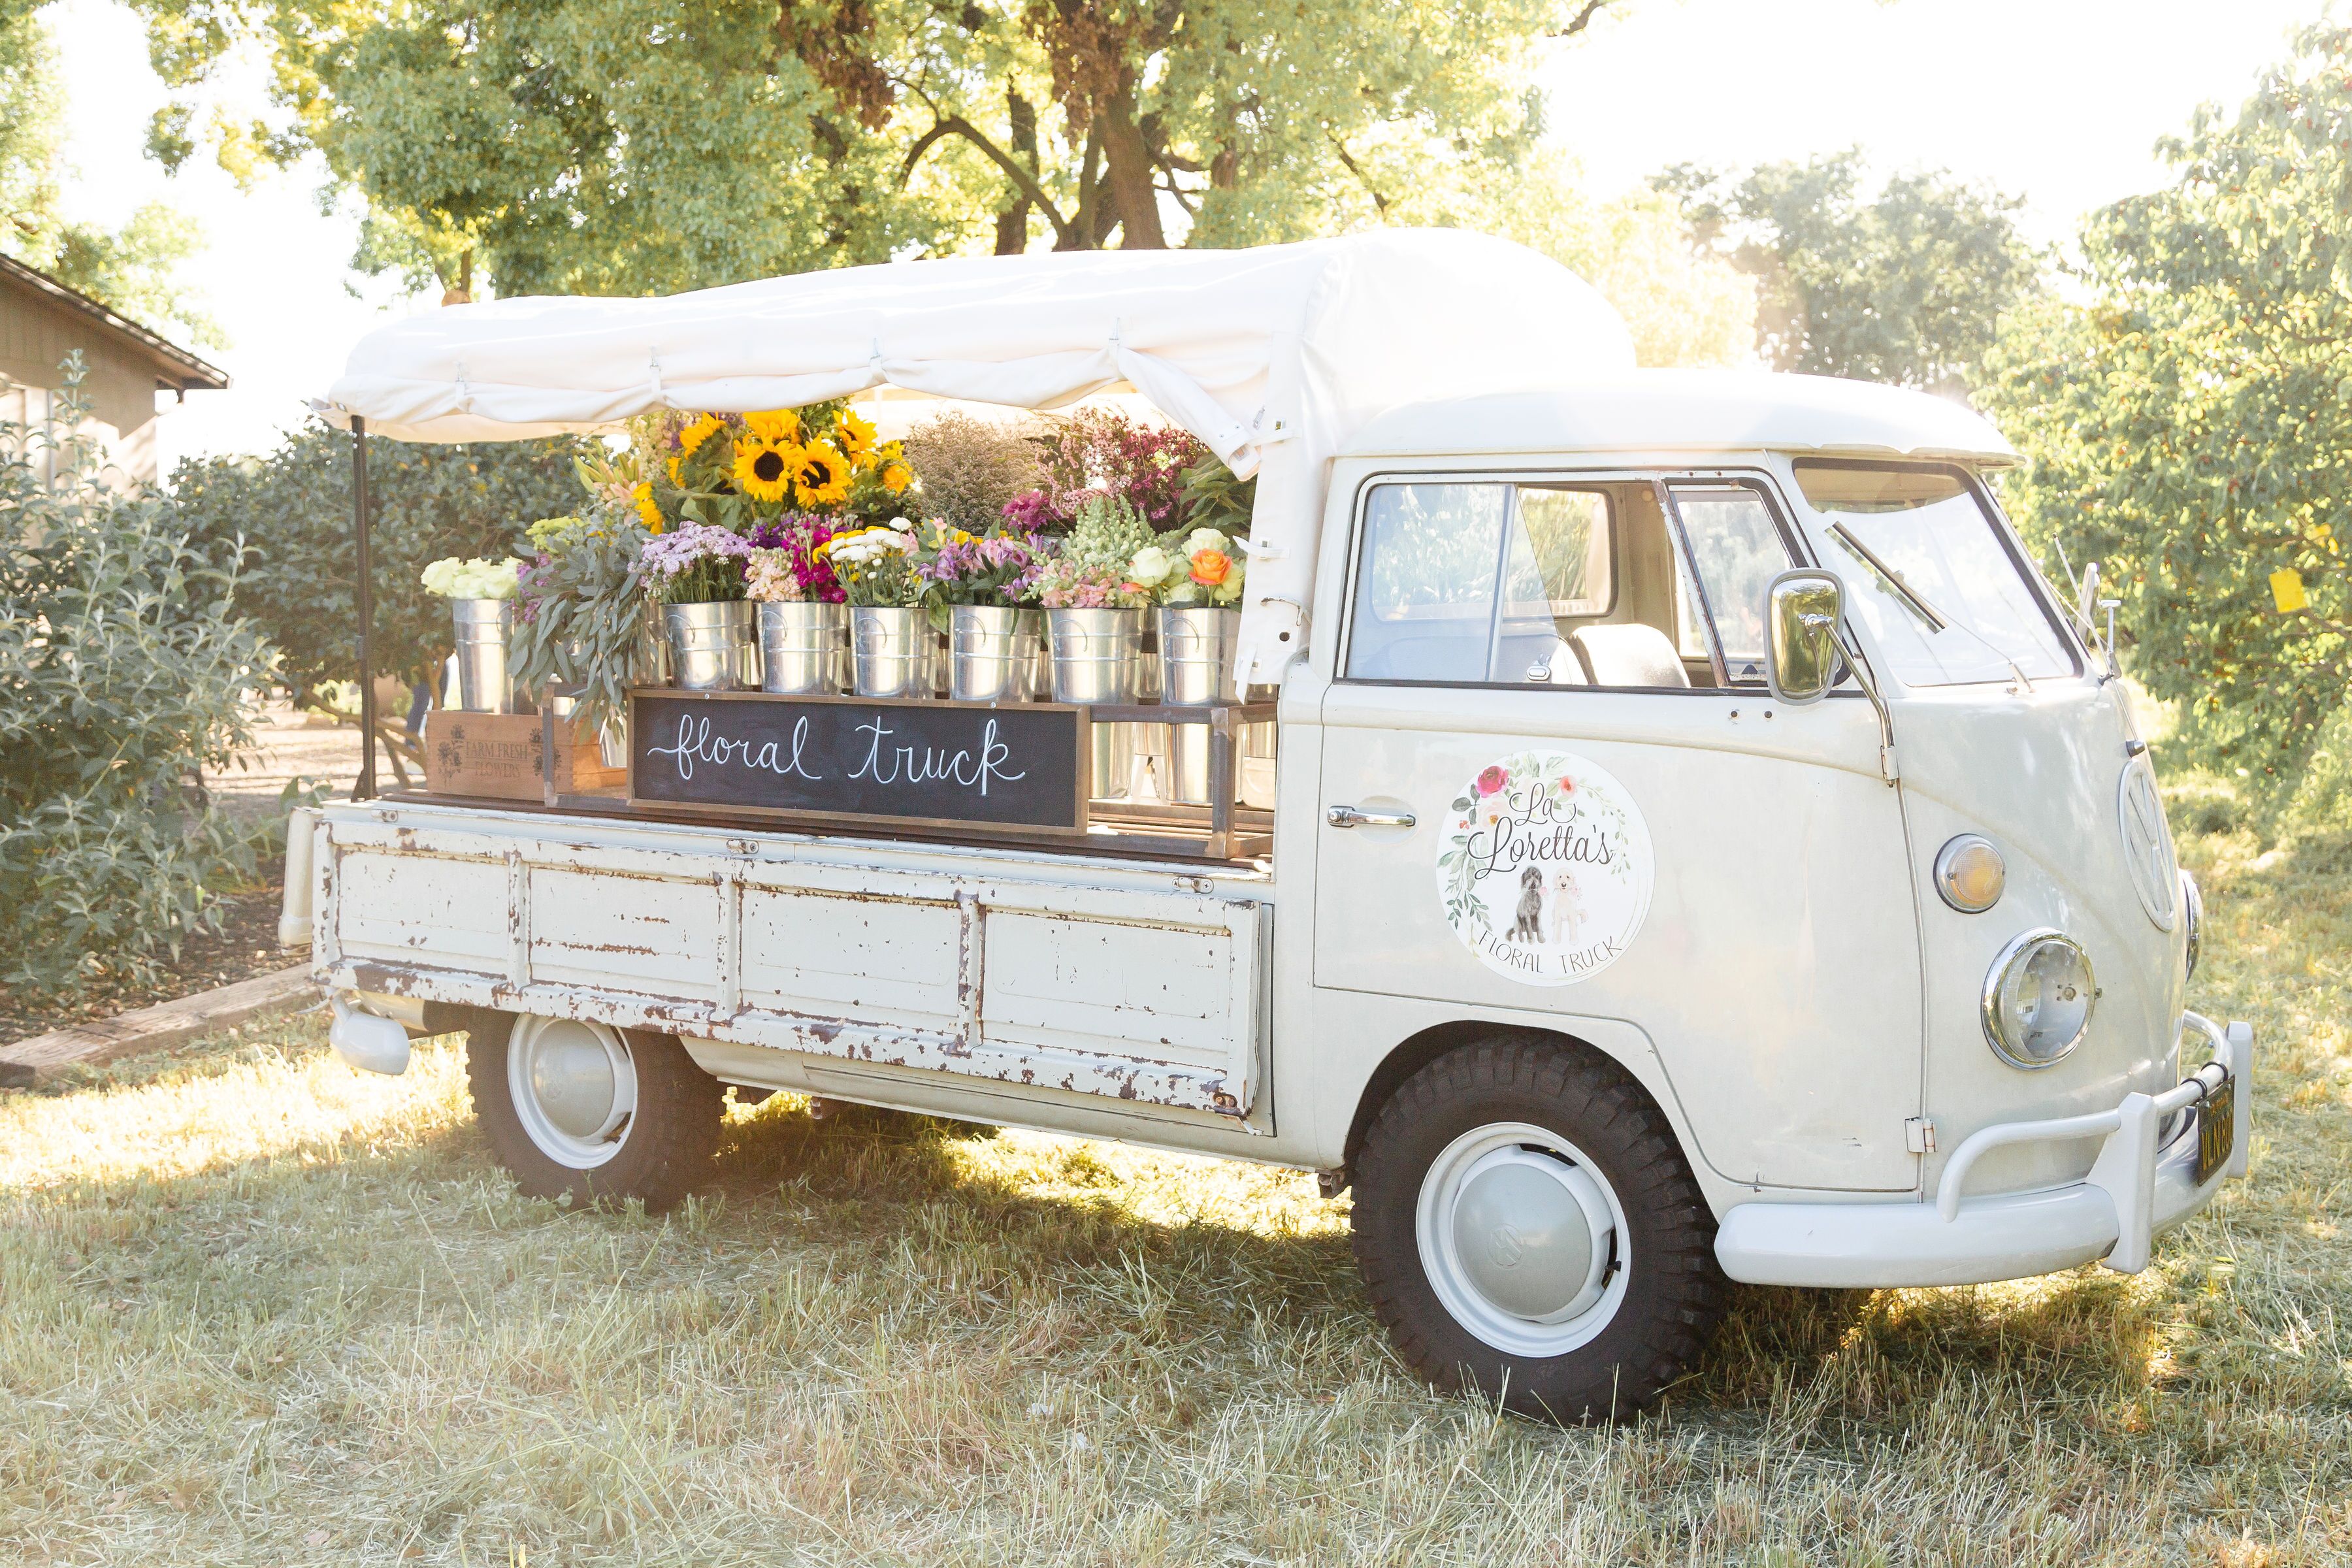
[(1553, 780)]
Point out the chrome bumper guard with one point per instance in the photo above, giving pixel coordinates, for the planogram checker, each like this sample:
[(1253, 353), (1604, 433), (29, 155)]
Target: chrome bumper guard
[(2142, 1182)]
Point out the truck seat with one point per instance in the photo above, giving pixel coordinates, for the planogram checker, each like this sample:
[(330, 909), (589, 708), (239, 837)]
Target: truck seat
[(1630, 655)]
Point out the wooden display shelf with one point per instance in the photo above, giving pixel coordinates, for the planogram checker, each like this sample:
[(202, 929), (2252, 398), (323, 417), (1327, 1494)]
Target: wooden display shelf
[(1222, 831)]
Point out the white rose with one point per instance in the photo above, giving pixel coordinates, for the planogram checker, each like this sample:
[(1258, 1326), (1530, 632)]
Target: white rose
[(1201, 539), (1151, 566)]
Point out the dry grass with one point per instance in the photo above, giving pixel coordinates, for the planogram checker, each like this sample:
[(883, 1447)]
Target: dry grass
[(259, 1309)]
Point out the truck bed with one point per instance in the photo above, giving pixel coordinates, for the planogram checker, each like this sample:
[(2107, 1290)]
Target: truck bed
[(1132, 980)]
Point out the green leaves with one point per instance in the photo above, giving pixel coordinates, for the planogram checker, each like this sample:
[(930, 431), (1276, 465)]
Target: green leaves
[(1908, 286), (293, 512), (126, 671), (2190, 424)]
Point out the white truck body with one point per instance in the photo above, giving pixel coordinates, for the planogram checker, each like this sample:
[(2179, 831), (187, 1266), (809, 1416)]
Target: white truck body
[(1604, 956)]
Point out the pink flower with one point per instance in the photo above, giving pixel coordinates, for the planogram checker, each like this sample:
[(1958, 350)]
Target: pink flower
[(1493, 779)]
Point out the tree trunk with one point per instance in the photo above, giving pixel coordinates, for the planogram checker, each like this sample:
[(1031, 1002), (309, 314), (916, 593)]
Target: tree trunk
[(1133, 195)]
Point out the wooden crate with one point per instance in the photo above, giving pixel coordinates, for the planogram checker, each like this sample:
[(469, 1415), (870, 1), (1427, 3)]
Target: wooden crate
[(501, 756)]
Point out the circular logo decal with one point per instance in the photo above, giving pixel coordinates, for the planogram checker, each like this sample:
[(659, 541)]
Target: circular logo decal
[(1545, 868)]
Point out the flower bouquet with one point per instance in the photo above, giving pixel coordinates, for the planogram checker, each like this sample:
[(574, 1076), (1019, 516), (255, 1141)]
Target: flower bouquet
[(696, 572), (803, 625), (1197, 583), (1095, 619), (580, 617), (987, 585), (479, 593), (737, 470), (890, 634)]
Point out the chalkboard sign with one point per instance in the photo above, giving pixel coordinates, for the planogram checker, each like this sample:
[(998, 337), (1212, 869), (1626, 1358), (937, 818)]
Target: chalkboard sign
[(1016, 766)]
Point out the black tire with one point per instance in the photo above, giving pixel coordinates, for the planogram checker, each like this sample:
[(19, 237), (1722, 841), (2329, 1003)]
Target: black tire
[(1673, 1290), (665, 1149)]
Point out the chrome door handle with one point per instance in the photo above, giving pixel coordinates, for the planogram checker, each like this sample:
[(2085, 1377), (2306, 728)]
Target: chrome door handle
[(1349, 817)]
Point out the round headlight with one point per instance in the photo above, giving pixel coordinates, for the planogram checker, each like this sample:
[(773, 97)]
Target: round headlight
[(2192, 909), (1971, 874), (2037, 999)]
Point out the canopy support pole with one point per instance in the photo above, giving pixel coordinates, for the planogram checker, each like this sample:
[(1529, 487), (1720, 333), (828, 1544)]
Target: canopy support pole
[(365, 788)]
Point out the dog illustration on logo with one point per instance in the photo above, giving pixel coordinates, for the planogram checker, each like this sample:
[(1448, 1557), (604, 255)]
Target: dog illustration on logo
[(1530, 926), (1566, 907)]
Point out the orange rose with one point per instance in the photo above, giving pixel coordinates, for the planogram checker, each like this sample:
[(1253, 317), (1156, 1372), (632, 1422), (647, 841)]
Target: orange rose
[(1212, 567)]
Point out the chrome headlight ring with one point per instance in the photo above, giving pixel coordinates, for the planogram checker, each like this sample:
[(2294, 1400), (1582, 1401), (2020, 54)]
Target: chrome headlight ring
[(2038, 997)]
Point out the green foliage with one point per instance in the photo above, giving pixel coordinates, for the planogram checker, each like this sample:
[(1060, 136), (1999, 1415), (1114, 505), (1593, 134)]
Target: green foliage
[(125, 671), (133, 268), (2190, 422), (579, 616), (293, 509), (614, 146), (1908, 287)]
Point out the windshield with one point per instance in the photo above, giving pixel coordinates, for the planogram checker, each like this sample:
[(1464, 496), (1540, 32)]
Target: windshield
[(1926, 571)]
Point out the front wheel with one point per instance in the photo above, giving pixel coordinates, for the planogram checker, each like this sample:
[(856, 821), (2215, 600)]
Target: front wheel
[(1528, 1227), (593, 1111)]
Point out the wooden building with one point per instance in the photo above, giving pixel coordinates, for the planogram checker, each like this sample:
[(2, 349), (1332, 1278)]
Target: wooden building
[(42, 321)]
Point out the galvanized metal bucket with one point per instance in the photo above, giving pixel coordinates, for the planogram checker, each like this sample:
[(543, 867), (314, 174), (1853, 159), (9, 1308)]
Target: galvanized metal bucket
[(1098, 655), (804, 647), (994, 653), (483, 624), (1197, 650), (892, 650), (713, 648)]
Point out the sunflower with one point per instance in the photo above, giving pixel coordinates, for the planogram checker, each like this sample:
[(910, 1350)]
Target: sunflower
[(643, 496), (854, 436), (821, 476), (780, 425), (764, 469), (897, 476), (703, 430)]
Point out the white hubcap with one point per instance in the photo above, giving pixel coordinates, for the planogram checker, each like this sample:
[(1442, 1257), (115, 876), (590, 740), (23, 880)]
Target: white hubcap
[(574, 1088), (1522, 1238)]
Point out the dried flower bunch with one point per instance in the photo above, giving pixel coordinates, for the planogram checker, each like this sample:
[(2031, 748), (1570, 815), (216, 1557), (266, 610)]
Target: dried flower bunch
[(969, 469)]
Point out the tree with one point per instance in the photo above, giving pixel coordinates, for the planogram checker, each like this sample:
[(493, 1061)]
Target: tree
[(2189, 423), (1908, 286), (626, 146), (131, 268), (292, 510)]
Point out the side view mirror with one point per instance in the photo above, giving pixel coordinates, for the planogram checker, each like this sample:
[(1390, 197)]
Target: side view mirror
[(1802, 609)]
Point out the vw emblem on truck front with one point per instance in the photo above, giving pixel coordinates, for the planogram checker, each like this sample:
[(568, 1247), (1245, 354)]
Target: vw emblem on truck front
[(2147, 843)]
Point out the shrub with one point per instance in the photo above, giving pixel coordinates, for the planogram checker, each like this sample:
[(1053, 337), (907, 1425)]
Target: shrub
[(293, 509), (126, 671)]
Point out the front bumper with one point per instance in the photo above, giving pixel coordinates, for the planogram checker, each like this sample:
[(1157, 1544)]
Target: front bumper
[(2140, 1184)]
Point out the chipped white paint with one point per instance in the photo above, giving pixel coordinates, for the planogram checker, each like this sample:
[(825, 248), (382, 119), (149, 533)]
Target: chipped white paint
[(1046, 971)]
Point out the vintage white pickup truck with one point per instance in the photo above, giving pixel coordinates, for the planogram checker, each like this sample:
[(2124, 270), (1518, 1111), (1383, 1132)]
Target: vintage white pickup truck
[(1705, 848)]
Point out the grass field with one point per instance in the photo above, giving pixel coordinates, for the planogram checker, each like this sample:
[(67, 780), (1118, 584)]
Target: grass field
[(256, 1308)]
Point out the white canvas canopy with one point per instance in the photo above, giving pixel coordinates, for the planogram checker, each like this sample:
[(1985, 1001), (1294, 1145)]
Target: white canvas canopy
[(1273, 356)]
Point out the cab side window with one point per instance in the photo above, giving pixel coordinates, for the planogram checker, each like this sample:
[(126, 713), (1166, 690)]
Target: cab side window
[(1736, 549), (1631, 584)]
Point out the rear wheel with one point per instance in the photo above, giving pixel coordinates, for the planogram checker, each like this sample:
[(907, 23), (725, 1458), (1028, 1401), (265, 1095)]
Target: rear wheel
[(593, 1111), (1528, 1227)]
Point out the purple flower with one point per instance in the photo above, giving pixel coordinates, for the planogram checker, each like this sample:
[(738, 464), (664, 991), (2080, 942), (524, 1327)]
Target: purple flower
[(667, 555)]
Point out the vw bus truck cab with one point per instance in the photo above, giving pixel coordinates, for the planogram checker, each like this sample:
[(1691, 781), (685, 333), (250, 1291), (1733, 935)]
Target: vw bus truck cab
[(1703, 847)]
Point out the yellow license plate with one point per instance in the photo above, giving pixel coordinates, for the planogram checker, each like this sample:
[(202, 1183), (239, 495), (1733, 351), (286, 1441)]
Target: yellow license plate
[(2217, 1130)]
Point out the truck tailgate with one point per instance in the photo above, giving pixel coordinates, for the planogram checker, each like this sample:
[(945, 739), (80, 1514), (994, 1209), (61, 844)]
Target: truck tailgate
[(1141, 982)]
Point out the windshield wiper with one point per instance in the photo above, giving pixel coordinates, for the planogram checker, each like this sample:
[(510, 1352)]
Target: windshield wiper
[(1892, 578), (1919, 605)]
